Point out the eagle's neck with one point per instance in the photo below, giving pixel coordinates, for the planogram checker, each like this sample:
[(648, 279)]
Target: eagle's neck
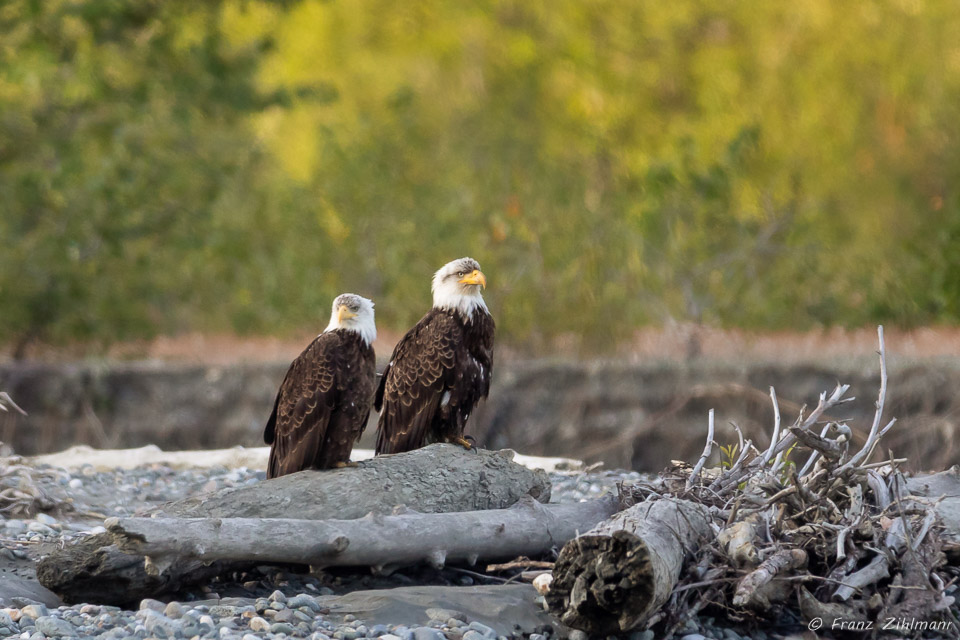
[(365, 329), (465, 305)]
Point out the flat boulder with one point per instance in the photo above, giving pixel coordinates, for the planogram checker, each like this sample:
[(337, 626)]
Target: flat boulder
[(506, 609)]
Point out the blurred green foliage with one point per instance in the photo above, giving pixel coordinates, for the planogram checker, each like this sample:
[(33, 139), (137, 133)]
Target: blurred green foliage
[(233, 165)]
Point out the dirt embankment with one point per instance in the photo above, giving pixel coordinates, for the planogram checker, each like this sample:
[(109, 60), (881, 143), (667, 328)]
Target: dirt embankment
[(627, 415)]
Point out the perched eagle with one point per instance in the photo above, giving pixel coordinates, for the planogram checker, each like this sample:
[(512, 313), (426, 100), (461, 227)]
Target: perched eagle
[(324, 400), (441, 368)]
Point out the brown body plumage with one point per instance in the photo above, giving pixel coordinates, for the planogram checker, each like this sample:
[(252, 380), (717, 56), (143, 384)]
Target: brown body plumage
[(437, 373), (322, 405)]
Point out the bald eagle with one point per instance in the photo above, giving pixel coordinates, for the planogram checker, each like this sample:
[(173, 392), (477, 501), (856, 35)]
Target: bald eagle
[(441, 368), (324, 400)]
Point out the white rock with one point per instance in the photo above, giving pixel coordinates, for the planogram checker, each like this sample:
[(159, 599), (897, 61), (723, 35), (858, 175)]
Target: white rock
[(259, 624), (542, 583)]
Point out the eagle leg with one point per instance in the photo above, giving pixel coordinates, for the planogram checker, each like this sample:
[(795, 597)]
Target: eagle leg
[(343, 465), (463, 442)]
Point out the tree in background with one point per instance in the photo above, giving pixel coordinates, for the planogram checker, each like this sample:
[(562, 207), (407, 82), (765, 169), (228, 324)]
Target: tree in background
[(233, 165)]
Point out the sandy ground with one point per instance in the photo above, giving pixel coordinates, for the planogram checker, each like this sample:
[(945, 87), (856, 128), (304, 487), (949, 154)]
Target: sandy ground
[(233, 458)]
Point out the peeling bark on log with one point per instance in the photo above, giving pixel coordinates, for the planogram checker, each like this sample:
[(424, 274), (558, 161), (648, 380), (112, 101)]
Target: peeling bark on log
[(440, 478), (383, 542), (613, 577)]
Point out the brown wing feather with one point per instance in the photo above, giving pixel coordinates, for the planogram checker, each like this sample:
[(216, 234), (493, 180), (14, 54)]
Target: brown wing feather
[(420, 370), (303, 408)]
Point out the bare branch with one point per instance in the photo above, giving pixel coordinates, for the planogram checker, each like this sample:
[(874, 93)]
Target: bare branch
[(775, 438), (707, 450), (873, 436)]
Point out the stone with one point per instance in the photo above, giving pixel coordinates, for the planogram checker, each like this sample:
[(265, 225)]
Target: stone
[(42, 529), (54, 627), (303, 600), (223, 611), (284, 616), (277, 596), (173, 610), (155, 622), (259, 624), (445, 614), (34, 610), (154, 605), (301, 616), (283, 627), (483, 629), (426, 633), (473, 635)]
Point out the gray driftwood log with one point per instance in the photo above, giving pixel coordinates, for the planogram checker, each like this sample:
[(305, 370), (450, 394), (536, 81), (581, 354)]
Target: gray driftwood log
[(381, 542), (613, 577), (436, 479)]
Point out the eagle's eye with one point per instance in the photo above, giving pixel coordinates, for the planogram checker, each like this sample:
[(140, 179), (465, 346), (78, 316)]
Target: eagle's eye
[(459, 274)]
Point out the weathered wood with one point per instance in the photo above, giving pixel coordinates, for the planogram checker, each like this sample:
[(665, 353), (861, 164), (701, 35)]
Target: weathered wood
[(749, 590), (612, 578), (382, 542), (440, 478)]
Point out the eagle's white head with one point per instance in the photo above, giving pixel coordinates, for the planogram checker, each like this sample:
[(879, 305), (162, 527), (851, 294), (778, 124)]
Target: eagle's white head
[(456, 286), (353, 313)]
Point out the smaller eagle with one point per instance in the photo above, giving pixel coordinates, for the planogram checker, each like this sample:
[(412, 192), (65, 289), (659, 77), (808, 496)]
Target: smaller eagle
[(441, 368), (324, 401)]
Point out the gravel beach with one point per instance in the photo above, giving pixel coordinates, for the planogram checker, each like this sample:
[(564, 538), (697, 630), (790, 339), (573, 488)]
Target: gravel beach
[(264, 602)]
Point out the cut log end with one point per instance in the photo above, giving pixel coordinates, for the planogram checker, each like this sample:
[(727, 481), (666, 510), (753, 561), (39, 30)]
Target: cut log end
[(603, 583)]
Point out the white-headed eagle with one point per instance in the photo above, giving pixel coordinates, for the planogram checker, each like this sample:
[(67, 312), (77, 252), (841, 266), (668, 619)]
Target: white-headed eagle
[(324, 401), (441, 368)]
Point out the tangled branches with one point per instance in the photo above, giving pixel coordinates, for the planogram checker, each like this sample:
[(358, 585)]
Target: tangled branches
[(26, 490), (837, 537), (806, 529)]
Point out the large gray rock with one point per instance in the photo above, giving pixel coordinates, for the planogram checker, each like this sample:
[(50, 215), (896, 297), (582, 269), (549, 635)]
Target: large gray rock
[(439, 478), (505, 609), (12, 586)]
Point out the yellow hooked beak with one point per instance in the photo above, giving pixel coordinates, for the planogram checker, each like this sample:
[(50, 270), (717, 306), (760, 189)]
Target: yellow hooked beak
[(474, 277), (344, 314)]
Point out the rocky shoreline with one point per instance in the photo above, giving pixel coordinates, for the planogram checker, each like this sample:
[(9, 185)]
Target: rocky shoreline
[(265, 602)]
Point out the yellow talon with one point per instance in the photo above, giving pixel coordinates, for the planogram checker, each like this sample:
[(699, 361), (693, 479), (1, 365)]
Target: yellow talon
[(463, 442), (342, 465)]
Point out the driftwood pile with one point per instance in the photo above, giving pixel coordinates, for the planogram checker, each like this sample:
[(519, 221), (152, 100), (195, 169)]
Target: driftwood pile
[(808, 531)]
